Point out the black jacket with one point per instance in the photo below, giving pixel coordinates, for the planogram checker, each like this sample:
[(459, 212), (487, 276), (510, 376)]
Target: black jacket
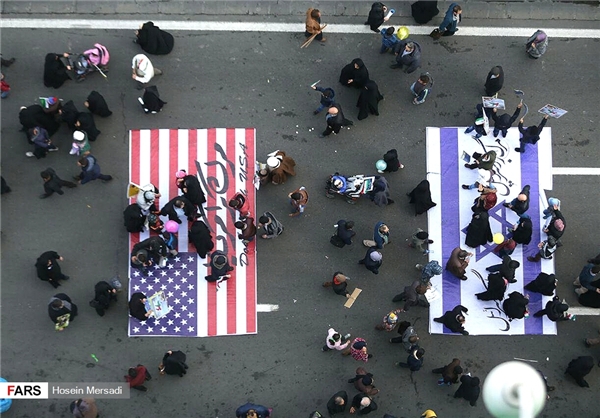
[(103, 295), (56, 313), (469, 389), (543, 283), (493, 85), (333, 408), (154, 40), (136, 308), (45, 272), (188, 209), (97, 105), (200, 237), (449, 319), (495, 290), (345, 234), (134, 219), (363, 411), (515, 306), (531, 135), (372, 266), (579, 368), (193, 191), (175, 363), (505, 121), (359, 76)]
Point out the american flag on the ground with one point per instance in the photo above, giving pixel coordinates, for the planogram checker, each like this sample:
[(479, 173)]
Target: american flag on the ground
[(224, 160)]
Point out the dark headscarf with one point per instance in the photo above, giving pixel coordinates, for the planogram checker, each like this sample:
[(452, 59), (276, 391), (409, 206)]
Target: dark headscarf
[(152, 101), (421, 197), (97, 105), (359, 76), (368, 101), (55, 72), (153, 40), (479, 231)]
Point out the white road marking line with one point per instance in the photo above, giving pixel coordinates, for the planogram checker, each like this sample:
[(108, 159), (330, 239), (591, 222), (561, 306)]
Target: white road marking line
[(265, 307), (583, 311), (576, 171), (176, 25)]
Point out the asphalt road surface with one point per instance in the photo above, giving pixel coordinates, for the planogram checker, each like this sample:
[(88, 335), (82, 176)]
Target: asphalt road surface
[(262, 81)]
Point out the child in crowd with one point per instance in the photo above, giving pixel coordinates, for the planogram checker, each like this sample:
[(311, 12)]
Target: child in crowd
[(421, 88), (388, 39)]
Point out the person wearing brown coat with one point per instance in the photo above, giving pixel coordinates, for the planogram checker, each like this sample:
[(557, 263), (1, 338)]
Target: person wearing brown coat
[(313, 24), (450, 373), (247, 230), (84, 408), (280, 166), (363, 382), (458, 262)]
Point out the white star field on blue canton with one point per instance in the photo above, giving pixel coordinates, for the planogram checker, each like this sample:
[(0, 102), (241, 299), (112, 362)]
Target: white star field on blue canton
[(177, 280)]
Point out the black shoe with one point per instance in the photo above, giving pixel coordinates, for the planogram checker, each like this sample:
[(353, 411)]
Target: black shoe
[(107, 180), (506, 205), (465, 186), (316, 112), (43, 196), (512, 281), (518, 149), (395, 66), (429, 241)]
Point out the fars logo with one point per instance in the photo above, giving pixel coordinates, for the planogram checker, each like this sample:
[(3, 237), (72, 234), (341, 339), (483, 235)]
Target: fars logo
[(24, 390)]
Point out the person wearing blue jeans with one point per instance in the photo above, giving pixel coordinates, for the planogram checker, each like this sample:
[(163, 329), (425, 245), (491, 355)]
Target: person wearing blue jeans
[(484, 180), (327, 98), (503, 122), (448, 27), (388, 40), (421, 88)]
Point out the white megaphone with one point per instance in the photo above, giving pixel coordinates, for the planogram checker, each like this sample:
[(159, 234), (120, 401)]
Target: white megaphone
[(389, 14)]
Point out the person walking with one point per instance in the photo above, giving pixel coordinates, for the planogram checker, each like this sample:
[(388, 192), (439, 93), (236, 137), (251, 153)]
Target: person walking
[(363, 382), (362, 404), (339, 284), (520, 204), (414, 362), (378, 15), (142, 70), (335, 120), (587, 278), (408, 336), (494, 81), (344, 232), (298, 200), (408, 54), (546, 250), (413, 295), (358, 350), (507, 269), (429, 270), (48, 269), (247, 230), (515, 306), (337, 403), (556, 311), (418, 239), (240, 203), (503, 122), (530, 135), (381, 236), (421, 88), (313, 25), (388, 39), (137, 376), (61, 310), (53, 183), (84, 408), (39, 137), (537, 44), (173, 362), (469, 389), (372, 260), (90, 170), (336, 341), (453, 16), (104, 293), (450, 373)]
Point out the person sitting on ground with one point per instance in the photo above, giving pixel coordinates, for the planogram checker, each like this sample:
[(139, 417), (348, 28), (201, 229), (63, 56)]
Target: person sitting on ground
[(173, 362), (136, 376), (454, 320), (450, 373), (458, 262)]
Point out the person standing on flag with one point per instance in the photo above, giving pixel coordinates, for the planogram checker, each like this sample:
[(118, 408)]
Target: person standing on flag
[(247, 230), (190, 187), (177, 207), (240, 203)]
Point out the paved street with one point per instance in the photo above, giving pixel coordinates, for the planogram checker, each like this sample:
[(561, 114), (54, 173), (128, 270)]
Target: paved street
[(262, 80)]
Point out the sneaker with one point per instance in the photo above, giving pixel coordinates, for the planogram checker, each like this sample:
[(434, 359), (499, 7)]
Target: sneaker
[(29, 154), (465, 186), (401, 166), (53, 149), (419, 266), (347, 337), (380, 171), (440, 382)]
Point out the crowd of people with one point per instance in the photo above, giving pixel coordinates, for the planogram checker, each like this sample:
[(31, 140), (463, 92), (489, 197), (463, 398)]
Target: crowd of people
[(41, 121)]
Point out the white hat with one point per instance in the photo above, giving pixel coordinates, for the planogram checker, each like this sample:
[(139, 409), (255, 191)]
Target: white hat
[(79, 136), (364, 402), (376, 256), (273, 162)]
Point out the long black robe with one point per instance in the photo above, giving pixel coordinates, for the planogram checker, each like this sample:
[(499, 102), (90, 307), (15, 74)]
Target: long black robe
[(69, 114), (589, 298), (52, 274), (368, 101), (421, 197), (103, 295), (391, 160), (87, 125), (56, 313), (175, 363), (376, 15), (189, 209), (152, 101), (579, 368), (136, 308), (522, 235), (200, 237), (358, 76), (194, 192), (97, 105), (218, 270), (134, 219), (34, 115), (335, 123), (154, 40), (495, 290), (494, 85), (449, 319), (515, 306), (479, 231), (55, 72), (543, 283), (424, 11)]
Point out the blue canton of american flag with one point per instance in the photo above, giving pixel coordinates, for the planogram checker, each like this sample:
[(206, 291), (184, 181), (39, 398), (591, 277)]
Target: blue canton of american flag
[(179, 282)]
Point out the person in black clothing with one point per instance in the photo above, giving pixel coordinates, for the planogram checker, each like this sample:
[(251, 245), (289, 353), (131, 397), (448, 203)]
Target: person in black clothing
[(55, 70), (338, 403), (104, 293), (219, 267), (97, 105), (503, 122), (424, 11), (507, 269), (377, 15), (579, 368), (495, 288), (345, 231), (368, 100), (354, 74), (200, 237), (556, 226), (154, 40), (137, 307), (392, 163), (454, 320), (59, 305), (68, 114), (515, 307), (134, 219), (479, 231), (520, 204), (362, 404), (494, 81), (53, 183), (414, 360), (338, 284), (179, 205), (372, 260), (450, 373), (335, 120), (5, 187), (148, 252), (151, 101), (469, 389), (544, 284), (190, 187), (421, 197), (173, 362), (530, 135), (555, 310), (48, 268), (523, 230), (85, 122)]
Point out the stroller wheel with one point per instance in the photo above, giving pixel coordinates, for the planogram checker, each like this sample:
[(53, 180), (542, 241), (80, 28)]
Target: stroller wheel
[(329, 196)]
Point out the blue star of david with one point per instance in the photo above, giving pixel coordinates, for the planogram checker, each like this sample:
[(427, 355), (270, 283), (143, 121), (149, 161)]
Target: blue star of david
[(498, 212)]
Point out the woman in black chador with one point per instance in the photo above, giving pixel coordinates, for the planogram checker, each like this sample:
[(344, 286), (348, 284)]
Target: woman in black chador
[(421, 197), (368, 101), (154, 40), (355, 74), (479, 231), (55, 71)]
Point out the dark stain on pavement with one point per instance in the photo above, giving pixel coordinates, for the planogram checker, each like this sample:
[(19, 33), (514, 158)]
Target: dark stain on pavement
[(289, 137), (288, 113), (257, 375)]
